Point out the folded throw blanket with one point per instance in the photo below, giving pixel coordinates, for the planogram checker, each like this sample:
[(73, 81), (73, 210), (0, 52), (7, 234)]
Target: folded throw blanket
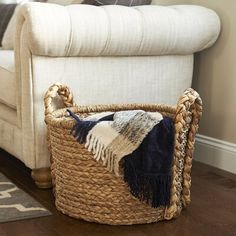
[(143, 140)]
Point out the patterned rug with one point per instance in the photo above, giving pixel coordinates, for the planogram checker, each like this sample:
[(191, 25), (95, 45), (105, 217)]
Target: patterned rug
[(15, 204)]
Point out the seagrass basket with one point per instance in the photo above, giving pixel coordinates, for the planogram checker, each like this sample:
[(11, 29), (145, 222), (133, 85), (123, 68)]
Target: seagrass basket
[(84, 189)]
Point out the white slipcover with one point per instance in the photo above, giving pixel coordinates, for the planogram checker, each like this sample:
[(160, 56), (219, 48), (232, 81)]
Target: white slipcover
[(110, 54), (84, 30)]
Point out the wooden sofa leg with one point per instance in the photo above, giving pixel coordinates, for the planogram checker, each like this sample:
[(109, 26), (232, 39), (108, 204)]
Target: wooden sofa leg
[(42, 177)]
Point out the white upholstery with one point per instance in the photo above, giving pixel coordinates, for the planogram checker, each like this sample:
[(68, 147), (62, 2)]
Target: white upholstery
[(109, 80), (7, 78), (106, 55), (7, 60), (8, 37), (11, 134), (85, 30), (116, 79)]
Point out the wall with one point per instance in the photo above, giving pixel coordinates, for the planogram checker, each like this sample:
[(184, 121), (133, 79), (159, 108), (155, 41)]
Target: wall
[(215, 80), (215, 73)]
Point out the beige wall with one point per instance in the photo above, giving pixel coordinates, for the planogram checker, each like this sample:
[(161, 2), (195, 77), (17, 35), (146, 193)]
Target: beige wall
[(215, 74)]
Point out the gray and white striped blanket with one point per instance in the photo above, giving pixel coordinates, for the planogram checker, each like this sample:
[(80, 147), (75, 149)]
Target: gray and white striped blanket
[(111, 140)]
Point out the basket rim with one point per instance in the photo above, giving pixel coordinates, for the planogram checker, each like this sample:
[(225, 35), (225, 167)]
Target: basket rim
[(61, 118)]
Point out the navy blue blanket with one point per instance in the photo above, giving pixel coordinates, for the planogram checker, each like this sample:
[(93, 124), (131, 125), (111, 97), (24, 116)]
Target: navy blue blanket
[(148, 169)]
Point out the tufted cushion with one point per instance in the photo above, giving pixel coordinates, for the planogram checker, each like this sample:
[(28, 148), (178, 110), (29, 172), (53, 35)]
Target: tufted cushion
[(117, 2), (85, 30)]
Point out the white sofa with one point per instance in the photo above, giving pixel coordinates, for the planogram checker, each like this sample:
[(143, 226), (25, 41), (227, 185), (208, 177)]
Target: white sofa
[(110, 54)]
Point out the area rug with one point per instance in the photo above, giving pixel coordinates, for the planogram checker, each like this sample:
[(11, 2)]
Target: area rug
[(15, 204)]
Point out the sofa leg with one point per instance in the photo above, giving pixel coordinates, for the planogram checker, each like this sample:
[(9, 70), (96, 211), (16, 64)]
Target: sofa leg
[(42, 177)]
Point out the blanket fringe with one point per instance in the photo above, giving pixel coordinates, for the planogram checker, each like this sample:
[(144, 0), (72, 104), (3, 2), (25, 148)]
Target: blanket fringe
[(154, 189), (102, 153)]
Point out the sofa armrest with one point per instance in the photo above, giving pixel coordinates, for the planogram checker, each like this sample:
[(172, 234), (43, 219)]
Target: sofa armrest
[(84, 30)]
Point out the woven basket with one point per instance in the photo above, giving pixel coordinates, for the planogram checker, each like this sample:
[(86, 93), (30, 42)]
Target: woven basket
[(84, 189)]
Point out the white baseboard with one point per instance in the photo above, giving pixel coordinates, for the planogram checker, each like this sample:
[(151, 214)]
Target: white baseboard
[(216, 153)]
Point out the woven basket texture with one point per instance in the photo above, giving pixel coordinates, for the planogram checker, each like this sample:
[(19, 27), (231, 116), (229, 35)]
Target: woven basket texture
[(84, 189)]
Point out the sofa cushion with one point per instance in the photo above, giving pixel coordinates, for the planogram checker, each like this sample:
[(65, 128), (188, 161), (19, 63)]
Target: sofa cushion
[(7, 78)]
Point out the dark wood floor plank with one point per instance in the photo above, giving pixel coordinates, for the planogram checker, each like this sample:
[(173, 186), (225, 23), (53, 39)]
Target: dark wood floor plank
[(212, 210)]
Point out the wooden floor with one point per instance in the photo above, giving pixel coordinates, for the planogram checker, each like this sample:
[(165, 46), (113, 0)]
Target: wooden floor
[(211, 213)]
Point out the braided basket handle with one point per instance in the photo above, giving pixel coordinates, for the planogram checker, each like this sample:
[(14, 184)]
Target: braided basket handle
[(190, 108), (188, 114), (57, 89)]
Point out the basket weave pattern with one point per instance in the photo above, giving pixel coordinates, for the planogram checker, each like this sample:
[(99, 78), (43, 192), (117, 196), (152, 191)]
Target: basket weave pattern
[(84, 189)]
